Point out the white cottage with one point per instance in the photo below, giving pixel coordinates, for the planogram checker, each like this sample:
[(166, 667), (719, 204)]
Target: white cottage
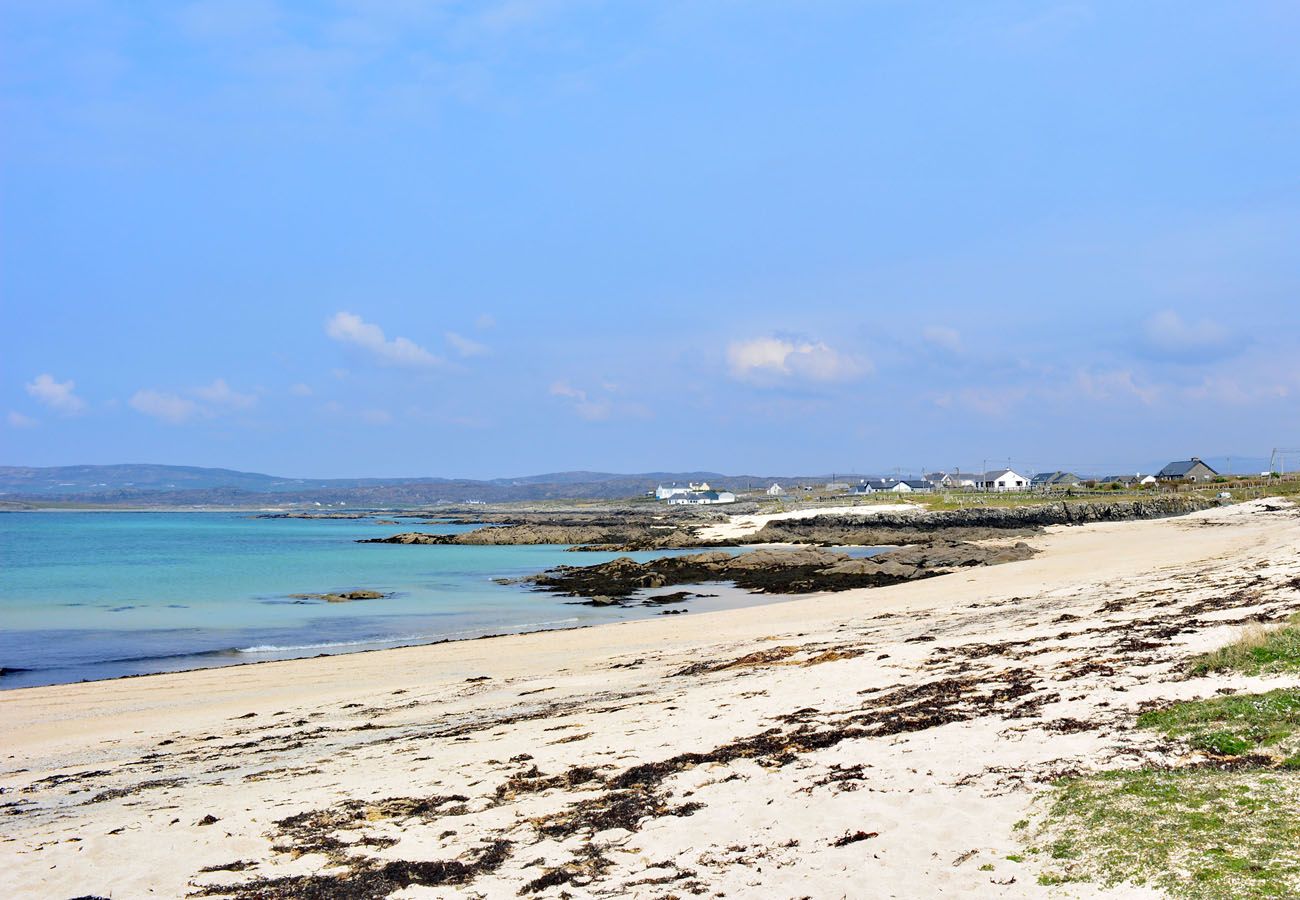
[(1003, 480)]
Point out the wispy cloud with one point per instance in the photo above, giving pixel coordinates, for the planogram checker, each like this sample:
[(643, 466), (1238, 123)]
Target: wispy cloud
[(774, 359), (301, 390), (465, 346), (1167, 335), (220, 395), (943, 337), (18, 420), (350, 329), (205, 402), (582, 404), (162, 405), (57, 395), (1116, 383)]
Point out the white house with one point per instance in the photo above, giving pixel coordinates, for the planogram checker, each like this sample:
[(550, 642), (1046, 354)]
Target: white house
[(953, 481), (775, 490), (1003, 480), (700, 498), (673, 490)]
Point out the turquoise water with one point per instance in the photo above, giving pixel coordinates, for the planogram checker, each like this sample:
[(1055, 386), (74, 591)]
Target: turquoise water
[(87, 595)]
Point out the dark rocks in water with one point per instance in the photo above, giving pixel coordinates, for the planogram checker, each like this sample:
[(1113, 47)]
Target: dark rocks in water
[(343, 596), (797, 570), (666, 599), (412, 537), (614, 533)]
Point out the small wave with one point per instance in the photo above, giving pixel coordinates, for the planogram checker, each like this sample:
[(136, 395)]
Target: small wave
[(143, 658), (326, 645), (399, 639)]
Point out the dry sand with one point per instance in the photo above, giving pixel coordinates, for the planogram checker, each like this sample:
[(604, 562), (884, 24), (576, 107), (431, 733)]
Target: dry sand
[(742, 526), (710, 754)]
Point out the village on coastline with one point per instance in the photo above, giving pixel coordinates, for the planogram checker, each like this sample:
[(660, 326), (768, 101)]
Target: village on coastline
[(999, 481)]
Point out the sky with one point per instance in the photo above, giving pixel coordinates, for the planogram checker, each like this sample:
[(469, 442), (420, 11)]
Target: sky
[(391, 237)]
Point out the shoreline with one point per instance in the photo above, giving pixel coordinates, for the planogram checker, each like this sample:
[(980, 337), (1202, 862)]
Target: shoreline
[(546, 734)]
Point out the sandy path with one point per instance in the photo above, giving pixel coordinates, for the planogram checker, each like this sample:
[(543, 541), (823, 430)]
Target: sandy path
[(701, 754), (743, 526)]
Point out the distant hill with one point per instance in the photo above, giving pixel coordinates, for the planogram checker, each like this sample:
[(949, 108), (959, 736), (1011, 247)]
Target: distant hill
[(190, 485)]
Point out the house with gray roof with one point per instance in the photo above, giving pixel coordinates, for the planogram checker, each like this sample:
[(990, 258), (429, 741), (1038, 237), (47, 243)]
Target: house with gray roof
[(1049, 480), (1138, 478), (1186, 470), (952, 480)]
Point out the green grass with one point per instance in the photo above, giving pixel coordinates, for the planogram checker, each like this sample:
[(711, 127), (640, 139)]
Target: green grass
[(1234, 725), (1200, 832), (1195, 833), (1259, 652)]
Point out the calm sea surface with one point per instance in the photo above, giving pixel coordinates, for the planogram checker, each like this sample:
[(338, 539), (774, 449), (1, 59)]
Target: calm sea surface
[(87, 595)]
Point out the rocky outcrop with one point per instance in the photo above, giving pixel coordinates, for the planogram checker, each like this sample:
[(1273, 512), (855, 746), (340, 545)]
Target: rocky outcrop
[(639, 536), (343, 596), (639, 532), (797, 570)]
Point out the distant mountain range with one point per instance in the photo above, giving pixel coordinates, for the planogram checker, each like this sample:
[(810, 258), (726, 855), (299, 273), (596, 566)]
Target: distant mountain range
[(191, 485), (161, 485)]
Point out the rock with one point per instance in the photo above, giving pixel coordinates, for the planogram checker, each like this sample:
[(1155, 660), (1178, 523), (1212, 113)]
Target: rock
[(343, 597)]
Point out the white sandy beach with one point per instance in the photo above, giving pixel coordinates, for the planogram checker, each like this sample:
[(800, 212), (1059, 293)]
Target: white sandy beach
[(711, 754)]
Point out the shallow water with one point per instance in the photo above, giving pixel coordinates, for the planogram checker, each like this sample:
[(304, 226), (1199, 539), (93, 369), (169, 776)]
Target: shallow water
[(88, 595)]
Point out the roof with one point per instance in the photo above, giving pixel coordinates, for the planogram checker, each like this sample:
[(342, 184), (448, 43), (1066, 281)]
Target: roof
[(917, 484), (1181, 467), (1055, 478), (996, 474)]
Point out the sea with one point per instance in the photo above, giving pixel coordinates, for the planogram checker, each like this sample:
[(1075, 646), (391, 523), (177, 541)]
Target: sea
[(93, 595)]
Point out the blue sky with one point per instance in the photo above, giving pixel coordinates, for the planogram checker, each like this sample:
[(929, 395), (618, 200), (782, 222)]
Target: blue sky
[(389, 237)]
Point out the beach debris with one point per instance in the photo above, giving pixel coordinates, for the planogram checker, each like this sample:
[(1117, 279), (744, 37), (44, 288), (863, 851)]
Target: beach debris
[(854, 837)]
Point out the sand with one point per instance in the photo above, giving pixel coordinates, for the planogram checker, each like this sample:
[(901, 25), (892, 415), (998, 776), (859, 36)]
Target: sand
[(721, 753), (742, 526)]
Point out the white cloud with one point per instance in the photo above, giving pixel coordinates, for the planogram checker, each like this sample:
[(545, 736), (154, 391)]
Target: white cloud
[(347, 328), (18, 420), (464, 346), (1170, 335), (942, 336), (301, 390), (484, 322), (220, 395), (593, 410), (57, 395), (376, 417), (1105, 385), (171, 408), (773, 358), (205, 402)]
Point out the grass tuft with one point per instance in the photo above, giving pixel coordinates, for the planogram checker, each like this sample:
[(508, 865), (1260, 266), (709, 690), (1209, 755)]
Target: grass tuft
[(1260, 651), (1194, 833), (1229, 829), (1235, 725)]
